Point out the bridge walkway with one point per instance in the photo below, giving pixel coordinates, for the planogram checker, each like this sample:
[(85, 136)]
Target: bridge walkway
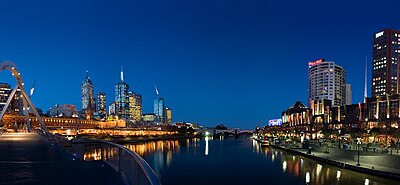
[(26, 158)]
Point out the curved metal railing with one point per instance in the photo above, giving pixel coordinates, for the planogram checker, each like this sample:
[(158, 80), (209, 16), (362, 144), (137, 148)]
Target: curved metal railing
[(132, 168)]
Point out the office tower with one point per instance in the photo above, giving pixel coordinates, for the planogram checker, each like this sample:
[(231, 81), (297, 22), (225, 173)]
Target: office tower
[(385, 57), (159, 110), (326, 80), (135, 107), (168, 115), (113, 109), (5, 91), (122, 98), (88, 103), (16, 104), (101, 104)]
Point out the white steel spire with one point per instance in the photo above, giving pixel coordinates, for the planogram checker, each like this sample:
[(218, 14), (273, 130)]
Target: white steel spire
[(365, 80), (122, 73)]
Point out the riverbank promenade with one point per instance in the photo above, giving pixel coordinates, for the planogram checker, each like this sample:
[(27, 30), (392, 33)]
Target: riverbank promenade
[(27, 158), (372, 163)]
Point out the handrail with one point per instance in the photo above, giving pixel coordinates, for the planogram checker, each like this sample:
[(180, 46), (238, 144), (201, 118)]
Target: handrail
[(151, 176), (132, 168)]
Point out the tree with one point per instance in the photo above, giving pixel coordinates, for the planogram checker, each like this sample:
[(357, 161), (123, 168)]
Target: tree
[(374, 132), (221, 127)]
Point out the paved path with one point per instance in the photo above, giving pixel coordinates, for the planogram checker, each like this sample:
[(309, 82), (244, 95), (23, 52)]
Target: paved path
[(351, 162), (26, 158)]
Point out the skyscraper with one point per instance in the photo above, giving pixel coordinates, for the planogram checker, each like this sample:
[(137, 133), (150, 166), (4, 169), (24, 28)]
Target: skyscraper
[(159, 107), (326, 80), (88, 103), (385, 57), (135, 107), (101, 104), (159, 110), (5, 91), (122, 97), (168, 115)]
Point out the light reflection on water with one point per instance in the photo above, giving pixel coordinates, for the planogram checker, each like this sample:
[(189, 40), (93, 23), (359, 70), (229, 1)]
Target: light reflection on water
[(165, 156), (317, 173)]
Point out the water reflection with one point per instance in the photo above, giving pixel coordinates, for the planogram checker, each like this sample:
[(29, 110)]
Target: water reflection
[(172, 157), (316, 173), (206, 150)]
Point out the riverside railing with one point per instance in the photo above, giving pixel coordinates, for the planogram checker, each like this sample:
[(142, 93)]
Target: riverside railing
[(132, 168)]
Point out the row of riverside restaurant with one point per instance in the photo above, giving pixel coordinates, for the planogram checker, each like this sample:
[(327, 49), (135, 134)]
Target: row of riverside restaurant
[(330, 113)]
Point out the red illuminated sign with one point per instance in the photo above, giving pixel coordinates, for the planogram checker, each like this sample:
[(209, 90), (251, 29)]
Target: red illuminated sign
[(315, 62)]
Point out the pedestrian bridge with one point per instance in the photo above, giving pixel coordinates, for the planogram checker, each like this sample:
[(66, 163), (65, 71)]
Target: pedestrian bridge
[(38, 157), (233, 131), (42, 158), (27, 158)]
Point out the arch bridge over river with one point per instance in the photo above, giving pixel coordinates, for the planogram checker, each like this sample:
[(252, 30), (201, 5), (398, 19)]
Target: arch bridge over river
[(36, 156)]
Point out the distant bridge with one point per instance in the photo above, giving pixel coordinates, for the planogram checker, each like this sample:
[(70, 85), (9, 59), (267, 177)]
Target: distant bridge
[(233, 131)]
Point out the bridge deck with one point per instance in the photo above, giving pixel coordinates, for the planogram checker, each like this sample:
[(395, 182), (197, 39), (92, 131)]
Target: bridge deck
[(28, 159)]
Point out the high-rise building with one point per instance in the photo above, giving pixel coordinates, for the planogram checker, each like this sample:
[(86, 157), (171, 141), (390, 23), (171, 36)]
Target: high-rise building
[(101, 104), (149, 118), (88, 103), (65, 110), (385, 57), (5, 92), (135, 107), (349, 95), (168, 114), (113, 109), (326, 80), (122, 98), (159, 110), (16, 105)]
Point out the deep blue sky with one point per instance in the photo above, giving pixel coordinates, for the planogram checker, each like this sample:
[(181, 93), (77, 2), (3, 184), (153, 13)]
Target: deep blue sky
[(238, 62)]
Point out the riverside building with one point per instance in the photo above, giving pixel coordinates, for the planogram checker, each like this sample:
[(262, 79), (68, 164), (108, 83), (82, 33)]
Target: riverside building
[(326, 80)]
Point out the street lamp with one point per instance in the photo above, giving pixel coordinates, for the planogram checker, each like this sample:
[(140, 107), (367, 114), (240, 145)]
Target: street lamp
[(358, 151), (339, 137)]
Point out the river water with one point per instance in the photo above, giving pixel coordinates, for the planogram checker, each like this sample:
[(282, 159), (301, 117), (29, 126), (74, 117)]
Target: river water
[(217, 161)]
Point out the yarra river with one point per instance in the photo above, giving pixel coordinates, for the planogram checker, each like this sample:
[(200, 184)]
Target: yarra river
[(242, 161)]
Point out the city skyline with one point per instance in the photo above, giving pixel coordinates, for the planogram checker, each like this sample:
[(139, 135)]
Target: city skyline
[(204, 73)]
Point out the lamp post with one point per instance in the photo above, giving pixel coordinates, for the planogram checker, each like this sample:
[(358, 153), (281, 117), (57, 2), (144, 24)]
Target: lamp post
[(358, 151), (339, 137)]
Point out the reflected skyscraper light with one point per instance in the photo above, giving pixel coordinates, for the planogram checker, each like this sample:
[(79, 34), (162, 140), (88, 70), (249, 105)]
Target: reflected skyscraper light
[(206, 150), (338, 175)]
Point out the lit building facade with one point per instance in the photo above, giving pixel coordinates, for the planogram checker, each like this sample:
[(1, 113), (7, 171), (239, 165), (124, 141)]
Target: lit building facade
[(296, 120), (385, 57), (5, 92), (63, 111), (149, 118), (87, 94), (16, 105), (159, 110), (122, 98), (326, 80), (135, 107), (113, 109), (383, 112), (101, 105), (168, 115)]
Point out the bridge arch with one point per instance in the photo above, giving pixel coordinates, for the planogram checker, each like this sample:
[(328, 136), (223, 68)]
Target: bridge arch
[(28, 105)]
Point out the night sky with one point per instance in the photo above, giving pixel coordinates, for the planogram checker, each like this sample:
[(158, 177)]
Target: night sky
[(237, 62)]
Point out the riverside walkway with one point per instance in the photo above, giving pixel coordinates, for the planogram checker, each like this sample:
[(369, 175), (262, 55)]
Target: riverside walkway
[(347, 161), (27, 158)]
